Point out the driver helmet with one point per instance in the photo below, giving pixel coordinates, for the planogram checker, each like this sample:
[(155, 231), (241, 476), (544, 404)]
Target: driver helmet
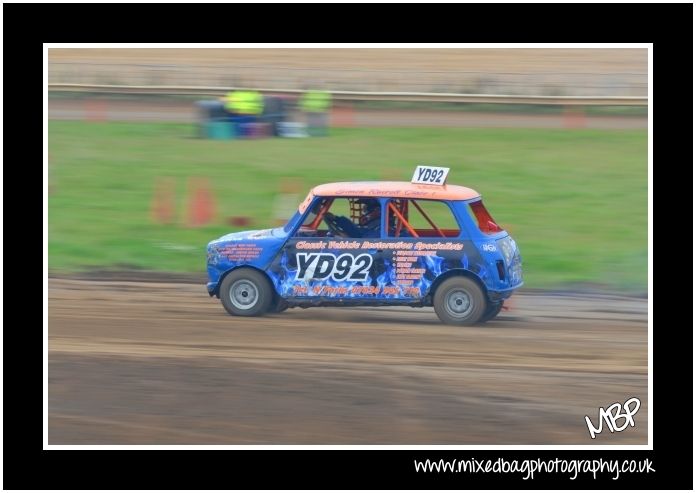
[(370, 211)]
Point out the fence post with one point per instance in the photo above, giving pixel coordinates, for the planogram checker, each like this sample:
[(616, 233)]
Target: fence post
[(574, 117), (343, 116), (95, 110)]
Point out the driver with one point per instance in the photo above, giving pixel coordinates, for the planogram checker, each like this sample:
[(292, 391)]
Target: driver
[(369, 220)]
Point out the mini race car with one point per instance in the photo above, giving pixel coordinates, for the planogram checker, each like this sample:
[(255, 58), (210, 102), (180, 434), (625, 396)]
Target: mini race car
[(423, 243)]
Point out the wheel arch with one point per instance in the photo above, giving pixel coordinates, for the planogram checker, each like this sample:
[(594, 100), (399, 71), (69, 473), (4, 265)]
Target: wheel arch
[(456, 273), (216, 292)]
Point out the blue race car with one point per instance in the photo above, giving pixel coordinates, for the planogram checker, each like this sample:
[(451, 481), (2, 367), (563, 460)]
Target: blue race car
[(423, 243)]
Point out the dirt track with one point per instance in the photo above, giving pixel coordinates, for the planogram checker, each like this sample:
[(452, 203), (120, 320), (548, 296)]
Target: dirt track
[(147, 363)]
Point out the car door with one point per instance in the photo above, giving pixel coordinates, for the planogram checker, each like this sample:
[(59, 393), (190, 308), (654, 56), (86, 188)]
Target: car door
[(422, 240), (316, 262)]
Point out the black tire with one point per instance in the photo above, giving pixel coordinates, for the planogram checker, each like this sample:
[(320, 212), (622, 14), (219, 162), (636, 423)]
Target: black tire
[(279, 305), (491, 312), (246, 293), (459, 301)]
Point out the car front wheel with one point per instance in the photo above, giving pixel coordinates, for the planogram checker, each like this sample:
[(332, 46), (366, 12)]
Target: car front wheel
[(491, 312), (246, 293), (459, 301), (279, 305)]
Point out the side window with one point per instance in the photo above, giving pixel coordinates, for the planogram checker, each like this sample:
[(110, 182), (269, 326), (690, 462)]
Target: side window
[(421, 219)]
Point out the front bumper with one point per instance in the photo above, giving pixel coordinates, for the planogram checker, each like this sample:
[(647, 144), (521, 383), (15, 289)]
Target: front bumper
[(212, 289), (502, 294)]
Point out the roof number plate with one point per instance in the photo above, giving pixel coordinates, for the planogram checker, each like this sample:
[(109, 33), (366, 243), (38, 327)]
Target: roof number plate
[(430, 175)]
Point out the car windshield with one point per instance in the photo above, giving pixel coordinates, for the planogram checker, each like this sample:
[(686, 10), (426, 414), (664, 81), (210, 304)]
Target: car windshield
[(300, 210), (349, 217)]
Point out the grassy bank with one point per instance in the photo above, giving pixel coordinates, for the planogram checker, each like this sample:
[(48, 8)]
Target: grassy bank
[(576, 200)]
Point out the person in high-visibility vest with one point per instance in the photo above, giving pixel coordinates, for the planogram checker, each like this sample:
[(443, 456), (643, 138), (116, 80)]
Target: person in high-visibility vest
[(256, 102), (243, 102), (316, 105), (234, 102), (316, 101), (238, 105)]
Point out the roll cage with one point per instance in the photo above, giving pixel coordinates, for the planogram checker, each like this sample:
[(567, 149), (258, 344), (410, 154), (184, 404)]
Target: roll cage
[(398, 223)]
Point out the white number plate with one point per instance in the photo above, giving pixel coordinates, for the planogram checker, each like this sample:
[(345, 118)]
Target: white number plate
[(430, 175)]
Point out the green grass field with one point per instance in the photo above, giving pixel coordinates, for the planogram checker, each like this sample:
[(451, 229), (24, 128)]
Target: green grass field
[(575, 200)]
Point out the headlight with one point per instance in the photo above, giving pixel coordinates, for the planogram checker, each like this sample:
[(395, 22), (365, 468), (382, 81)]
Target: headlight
[(508, 247)]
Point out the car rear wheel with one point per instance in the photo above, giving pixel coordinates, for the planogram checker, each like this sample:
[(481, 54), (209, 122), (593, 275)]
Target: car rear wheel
[(246, 293), (459, 301)]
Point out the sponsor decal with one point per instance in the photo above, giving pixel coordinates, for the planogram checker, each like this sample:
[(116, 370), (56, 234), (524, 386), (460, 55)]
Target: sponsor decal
[(377, 245), (327, 265), (240, 252), (382, 269)]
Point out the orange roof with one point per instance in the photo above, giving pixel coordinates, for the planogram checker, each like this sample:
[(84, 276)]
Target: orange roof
[(396, 189)]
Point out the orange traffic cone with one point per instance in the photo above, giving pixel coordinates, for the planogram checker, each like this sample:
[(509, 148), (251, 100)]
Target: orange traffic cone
[(162, 208), (201, 207)]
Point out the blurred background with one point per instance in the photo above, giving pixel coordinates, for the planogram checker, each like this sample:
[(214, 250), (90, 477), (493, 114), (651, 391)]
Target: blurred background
[(154, 152), (150, 157)]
